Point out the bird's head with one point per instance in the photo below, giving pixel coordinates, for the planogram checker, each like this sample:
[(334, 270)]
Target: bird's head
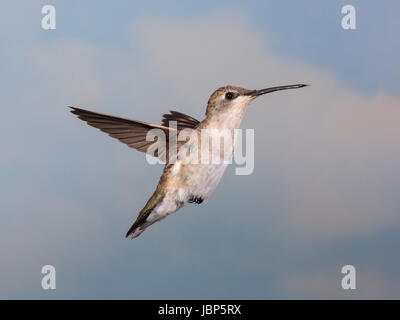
[(236, 99)]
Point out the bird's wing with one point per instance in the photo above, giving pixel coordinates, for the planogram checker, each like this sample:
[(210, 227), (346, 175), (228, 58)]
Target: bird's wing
[(183, 120), (132, 133)]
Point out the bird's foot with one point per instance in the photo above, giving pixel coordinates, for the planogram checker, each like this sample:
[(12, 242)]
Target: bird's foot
[(196, 199)]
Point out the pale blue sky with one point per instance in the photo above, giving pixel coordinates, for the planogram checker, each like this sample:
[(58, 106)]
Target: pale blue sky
[(324, 192)]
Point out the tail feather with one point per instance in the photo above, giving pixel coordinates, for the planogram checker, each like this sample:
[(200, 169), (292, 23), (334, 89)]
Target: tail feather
[(141, 222), (135, 230)]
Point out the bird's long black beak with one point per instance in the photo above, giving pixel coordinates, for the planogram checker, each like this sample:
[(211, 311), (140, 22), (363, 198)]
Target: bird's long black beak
[(256, 93)]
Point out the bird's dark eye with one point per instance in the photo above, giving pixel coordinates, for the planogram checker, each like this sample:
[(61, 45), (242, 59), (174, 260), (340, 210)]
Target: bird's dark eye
[(229, 95)]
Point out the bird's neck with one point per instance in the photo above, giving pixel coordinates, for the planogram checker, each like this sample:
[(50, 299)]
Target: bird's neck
[(225, 120)]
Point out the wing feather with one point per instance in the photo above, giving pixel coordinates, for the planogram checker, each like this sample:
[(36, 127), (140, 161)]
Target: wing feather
[(133, 133), (183, 120), (130, 132)]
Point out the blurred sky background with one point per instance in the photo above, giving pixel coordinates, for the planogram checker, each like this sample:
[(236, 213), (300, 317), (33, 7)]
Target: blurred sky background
[(324, 192)]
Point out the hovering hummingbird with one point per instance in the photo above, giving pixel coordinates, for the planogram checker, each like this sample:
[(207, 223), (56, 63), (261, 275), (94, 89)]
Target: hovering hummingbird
[(180, 182)]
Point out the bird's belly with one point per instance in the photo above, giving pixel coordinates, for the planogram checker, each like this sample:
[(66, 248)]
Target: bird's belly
[(199, 180)]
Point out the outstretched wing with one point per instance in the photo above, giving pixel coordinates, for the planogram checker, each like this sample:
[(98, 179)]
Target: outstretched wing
[(183, 120), (132, 133)]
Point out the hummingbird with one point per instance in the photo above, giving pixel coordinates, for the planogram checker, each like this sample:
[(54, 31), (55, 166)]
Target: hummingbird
[(180, 182)]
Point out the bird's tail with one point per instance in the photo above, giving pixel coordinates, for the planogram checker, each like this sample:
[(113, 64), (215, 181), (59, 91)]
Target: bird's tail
[(144, 218)]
